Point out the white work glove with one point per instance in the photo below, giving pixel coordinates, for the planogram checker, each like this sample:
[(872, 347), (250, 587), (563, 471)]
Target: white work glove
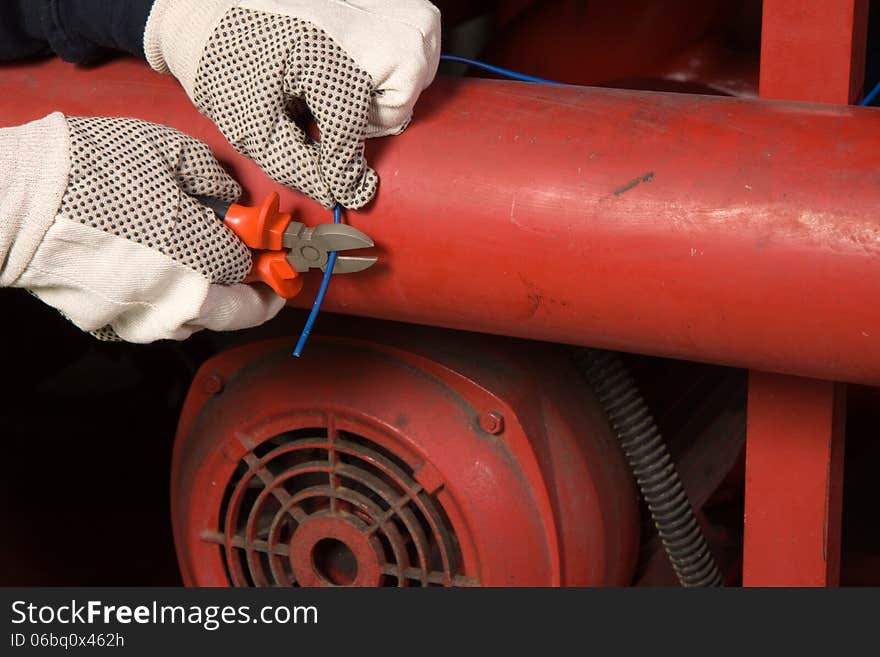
[(255, 67), (99, 222)]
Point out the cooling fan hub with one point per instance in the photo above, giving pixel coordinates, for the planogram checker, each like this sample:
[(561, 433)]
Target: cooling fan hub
[(336, 550)]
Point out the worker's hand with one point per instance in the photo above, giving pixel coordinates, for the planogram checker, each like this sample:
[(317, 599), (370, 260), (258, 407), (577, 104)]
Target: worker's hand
[(125, 248), (257, 68)]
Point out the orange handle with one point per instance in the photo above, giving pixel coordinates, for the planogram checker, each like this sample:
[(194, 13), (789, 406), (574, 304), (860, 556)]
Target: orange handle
[(262, 228), (273, 269)]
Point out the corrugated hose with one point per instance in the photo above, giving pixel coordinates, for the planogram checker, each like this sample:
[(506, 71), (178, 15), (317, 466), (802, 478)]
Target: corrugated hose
[(652, 466)]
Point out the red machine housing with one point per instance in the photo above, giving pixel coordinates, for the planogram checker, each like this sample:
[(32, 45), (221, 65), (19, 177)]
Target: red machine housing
[(455, 461)]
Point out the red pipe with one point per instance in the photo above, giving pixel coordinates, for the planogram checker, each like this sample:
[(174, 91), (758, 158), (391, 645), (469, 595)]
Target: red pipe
[(737, 232)]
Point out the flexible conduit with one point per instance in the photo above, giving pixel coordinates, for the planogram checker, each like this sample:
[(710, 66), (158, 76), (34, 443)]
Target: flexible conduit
[(652, 466)]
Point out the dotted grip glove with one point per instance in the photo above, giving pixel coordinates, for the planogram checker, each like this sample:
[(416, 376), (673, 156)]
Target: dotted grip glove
[(257, 67), (99, 222)]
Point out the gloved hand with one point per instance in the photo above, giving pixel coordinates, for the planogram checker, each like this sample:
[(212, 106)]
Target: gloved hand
[(98, 222), (256, 66)]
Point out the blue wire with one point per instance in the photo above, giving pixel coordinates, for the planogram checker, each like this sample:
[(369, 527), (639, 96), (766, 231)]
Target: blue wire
[(322, 291), (522, 77), (531, 78), (871, 96)]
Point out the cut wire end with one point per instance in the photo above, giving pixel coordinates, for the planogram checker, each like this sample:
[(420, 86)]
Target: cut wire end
[(322, 291)]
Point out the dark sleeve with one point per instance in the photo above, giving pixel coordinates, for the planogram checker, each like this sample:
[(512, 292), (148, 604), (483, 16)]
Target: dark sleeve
[(78, 31)]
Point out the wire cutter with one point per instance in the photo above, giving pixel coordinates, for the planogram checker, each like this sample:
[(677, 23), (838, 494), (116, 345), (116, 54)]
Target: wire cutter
[(284, 248)]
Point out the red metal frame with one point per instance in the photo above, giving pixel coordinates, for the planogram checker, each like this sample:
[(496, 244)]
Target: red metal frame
[(814, 50), (794, 478), (795, 445)]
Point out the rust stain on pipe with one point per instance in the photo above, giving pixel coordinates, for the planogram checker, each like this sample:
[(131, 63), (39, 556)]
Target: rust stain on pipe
[(635, 182)]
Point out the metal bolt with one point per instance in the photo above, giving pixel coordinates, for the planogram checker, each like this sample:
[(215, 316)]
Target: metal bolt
[(310, 253), (492, 422), (212, 384)]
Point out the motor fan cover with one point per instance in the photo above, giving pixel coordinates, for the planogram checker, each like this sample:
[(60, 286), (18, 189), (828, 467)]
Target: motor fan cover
[(456, 461)]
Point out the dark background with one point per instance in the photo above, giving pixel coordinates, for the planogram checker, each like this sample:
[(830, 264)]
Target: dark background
[(87, 429)]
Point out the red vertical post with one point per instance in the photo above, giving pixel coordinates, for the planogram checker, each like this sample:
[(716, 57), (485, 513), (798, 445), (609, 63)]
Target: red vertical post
[(814, 50), (794, 476), (811, 50)]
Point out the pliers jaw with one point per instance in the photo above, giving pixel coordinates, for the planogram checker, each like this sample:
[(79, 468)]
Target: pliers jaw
[(284, 248), (311, 247)]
